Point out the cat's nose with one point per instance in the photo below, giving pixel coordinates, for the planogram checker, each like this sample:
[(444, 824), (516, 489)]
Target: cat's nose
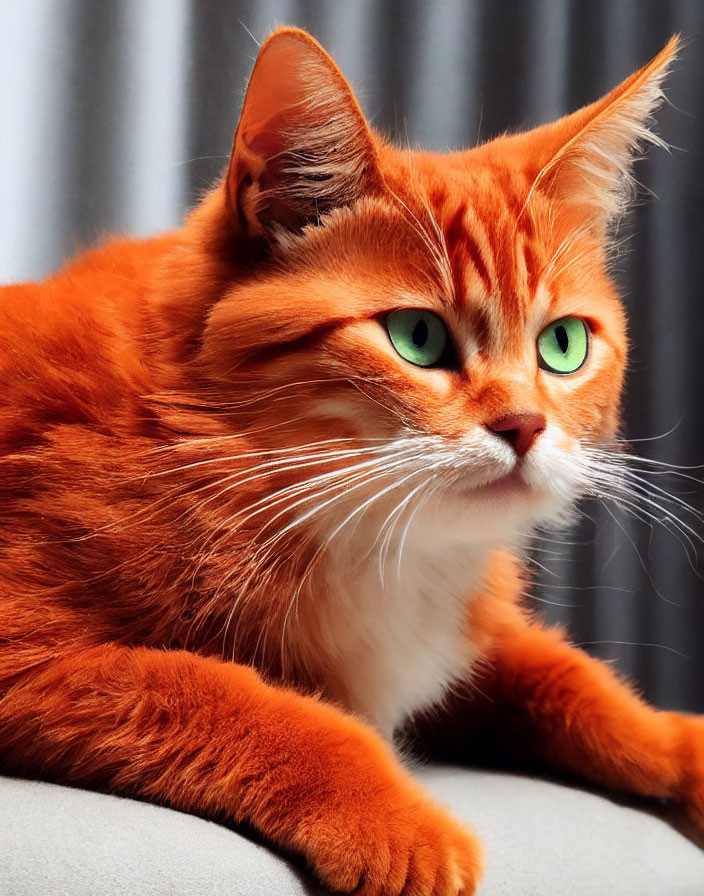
[(519, 430)]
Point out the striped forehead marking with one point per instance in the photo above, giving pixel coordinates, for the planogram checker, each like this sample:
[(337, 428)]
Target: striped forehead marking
[(498, 249)]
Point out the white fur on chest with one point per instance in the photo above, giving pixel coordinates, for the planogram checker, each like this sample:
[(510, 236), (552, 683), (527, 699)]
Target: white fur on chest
[(394, 635)]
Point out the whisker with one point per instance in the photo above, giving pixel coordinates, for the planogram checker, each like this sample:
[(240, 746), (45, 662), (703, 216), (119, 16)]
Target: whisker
[(357, 510), (679, 653), (617, 476)]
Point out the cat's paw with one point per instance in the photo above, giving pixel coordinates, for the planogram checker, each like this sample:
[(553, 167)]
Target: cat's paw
[(372, 830), (397, 845)]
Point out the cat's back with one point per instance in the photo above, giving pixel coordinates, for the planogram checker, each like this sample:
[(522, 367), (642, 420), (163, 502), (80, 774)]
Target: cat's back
[(74, 347)]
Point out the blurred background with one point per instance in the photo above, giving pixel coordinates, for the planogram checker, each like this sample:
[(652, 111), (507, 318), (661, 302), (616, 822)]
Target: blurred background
[(116, 115)]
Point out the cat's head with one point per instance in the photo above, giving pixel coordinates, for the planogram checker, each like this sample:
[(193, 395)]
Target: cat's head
[(444, 322)]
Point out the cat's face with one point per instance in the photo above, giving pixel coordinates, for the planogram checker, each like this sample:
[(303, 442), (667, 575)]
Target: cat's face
[(449, 318)]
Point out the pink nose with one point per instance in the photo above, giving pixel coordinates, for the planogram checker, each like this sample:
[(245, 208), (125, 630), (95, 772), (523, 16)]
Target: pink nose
[(519, 430)]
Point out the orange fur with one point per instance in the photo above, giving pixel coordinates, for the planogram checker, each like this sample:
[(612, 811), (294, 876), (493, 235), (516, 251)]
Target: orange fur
[(188, 616)]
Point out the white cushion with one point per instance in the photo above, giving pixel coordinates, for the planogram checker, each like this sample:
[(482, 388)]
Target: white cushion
[(540, 839)]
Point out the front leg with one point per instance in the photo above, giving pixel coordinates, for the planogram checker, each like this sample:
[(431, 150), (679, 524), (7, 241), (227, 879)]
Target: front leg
[(211, 737), (540, 698)]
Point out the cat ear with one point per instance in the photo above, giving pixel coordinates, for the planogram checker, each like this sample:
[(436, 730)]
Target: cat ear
[(302, 146), (585, 158)]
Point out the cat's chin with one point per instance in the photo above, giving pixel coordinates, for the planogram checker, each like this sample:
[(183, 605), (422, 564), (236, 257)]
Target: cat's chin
[(503, 510), (504, 487)]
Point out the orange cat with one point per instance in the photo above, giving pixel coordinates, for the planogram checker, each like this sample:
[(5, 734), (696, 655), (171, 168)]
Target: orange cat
[(266, 482)]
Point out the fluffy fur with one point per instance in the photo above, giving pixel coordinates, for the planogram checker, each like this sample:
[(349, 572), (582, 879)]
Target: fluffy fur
[(243, 543)]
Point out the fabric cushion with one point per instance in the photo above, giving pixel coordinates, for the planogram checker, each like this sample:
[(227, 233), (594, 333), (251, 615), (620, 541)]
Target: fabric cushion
[(540, 838)]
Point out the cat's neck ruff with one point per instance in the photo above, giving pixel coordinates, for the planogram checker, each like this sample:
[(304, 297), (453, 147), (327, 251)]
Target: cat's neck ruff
[(391, 629)]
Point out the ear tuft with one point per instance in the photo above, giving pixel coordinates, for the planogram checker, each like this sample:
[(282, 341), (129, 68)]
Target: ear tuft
[(302, 146), (588, 156)]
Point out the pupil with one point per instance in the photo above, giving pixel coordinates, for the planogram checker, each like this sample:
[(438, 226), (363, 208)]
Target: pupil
[(420, 334), (563, 339)]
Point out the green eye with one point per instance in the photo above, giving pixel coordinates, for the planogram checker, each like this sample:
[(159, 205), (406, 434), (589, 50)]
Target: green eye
[(419, 336), (563, 345)]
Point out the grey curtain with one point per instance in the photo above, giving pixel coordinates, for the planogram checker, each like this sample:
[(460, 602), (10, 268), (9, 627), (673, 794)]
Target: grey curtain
[(117, 114)]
